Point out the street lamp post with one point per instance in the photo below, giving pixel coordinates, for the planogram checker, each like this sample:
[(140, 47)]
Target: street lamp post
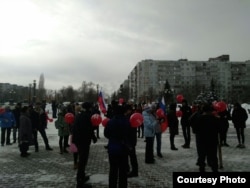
[(30, 93)]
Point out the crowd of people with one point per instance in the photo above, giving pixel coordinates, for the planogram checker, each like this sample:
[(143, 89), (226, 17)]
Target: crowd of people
[(26, 122), (208, 126)]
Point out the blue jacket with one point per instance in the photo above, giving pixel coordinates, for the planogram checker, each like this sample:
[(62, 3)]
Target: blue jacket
[(7, 119), (150, 123), (117, 131)]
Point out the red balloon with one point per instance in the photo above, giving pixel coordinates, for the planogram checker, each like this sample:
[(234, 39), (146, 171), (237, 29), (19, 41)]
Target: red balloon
[(136, 119), (179, 98), (178, 113), (160, 113), (105, 121), (69, 118), (96, 119), (50, 119), (220, 106), (2, 110), (121, 100), (164, 126)]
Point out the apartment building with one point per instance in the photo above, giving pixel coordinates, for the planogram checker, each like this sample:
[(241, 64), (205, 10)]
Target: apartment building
[(189, 78)]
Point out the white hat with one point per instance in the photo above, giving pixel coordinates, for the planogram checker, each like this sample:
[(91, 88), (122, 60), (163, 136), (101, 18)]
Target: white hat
[(147, 107)]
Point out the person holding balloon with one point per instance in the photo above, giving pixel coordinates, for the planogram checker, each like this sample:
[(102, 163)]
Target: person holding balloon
[(186, 113), (83, 134), (173, 124), (39, 122), (63, 131), (132, 141), (224, 117), (140, 129), (117, 132), (96, 111), (78, 109), (159, 114), (150, 122), (207, 134)]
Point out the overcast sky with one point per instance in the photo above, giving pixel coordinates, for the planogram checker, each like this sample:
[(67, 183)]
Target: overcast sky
[(101, 41)]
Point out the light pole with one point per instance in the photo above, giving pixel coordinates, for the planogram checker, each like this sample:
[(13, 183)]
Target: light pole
[(30, 93)]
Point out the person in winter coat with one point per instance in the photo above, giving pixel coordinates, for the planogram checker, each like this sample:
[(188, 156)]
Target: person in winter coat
[(7, 121), (63, 131), (96, 111), (39, 123), (117, 132), (54, 108), (173, 124), (16, 112), (186, 113), (83, 134), (158, 131), (140, 129), (239, 117), (132, 141), (150, 122), (25, 132), (207, 134), (224, 117)]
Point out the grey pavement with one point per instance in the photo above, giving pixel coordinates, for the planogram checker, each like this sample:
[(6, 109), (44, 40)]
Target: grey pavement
[(47, 169)]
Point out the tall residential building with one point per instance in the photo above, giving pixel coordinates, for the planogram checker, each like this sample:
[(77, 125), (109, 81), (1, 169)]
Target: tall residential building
[(189, 78)]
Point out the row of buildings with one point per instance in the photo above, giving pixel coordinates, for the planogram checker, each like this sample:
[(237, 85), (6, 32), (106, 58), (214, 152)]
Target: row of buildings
[(147, 81), (10, 93), (189, 78)]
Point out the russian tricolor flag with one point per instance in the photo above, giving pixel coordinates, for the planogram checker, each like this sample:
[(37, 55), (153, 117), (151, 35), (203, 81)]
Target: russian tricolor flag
[(101, 103), (162, 104)]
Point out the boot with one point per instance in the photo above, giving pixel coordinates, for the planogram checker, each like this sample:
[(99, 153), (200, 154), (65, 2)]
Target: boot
[(173, 147), (61, 150), (75, 166), (65, 150), (132, 174), (49, 148)]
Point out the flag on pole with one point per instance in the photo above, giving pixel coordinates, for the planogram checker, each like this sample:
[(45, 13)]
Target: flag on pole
[(162, 104), (101, 103)]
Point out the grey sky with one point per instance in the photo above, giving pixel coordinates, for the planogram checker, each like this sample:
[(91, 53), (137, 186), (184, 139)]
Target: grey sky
[(102, 40)]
